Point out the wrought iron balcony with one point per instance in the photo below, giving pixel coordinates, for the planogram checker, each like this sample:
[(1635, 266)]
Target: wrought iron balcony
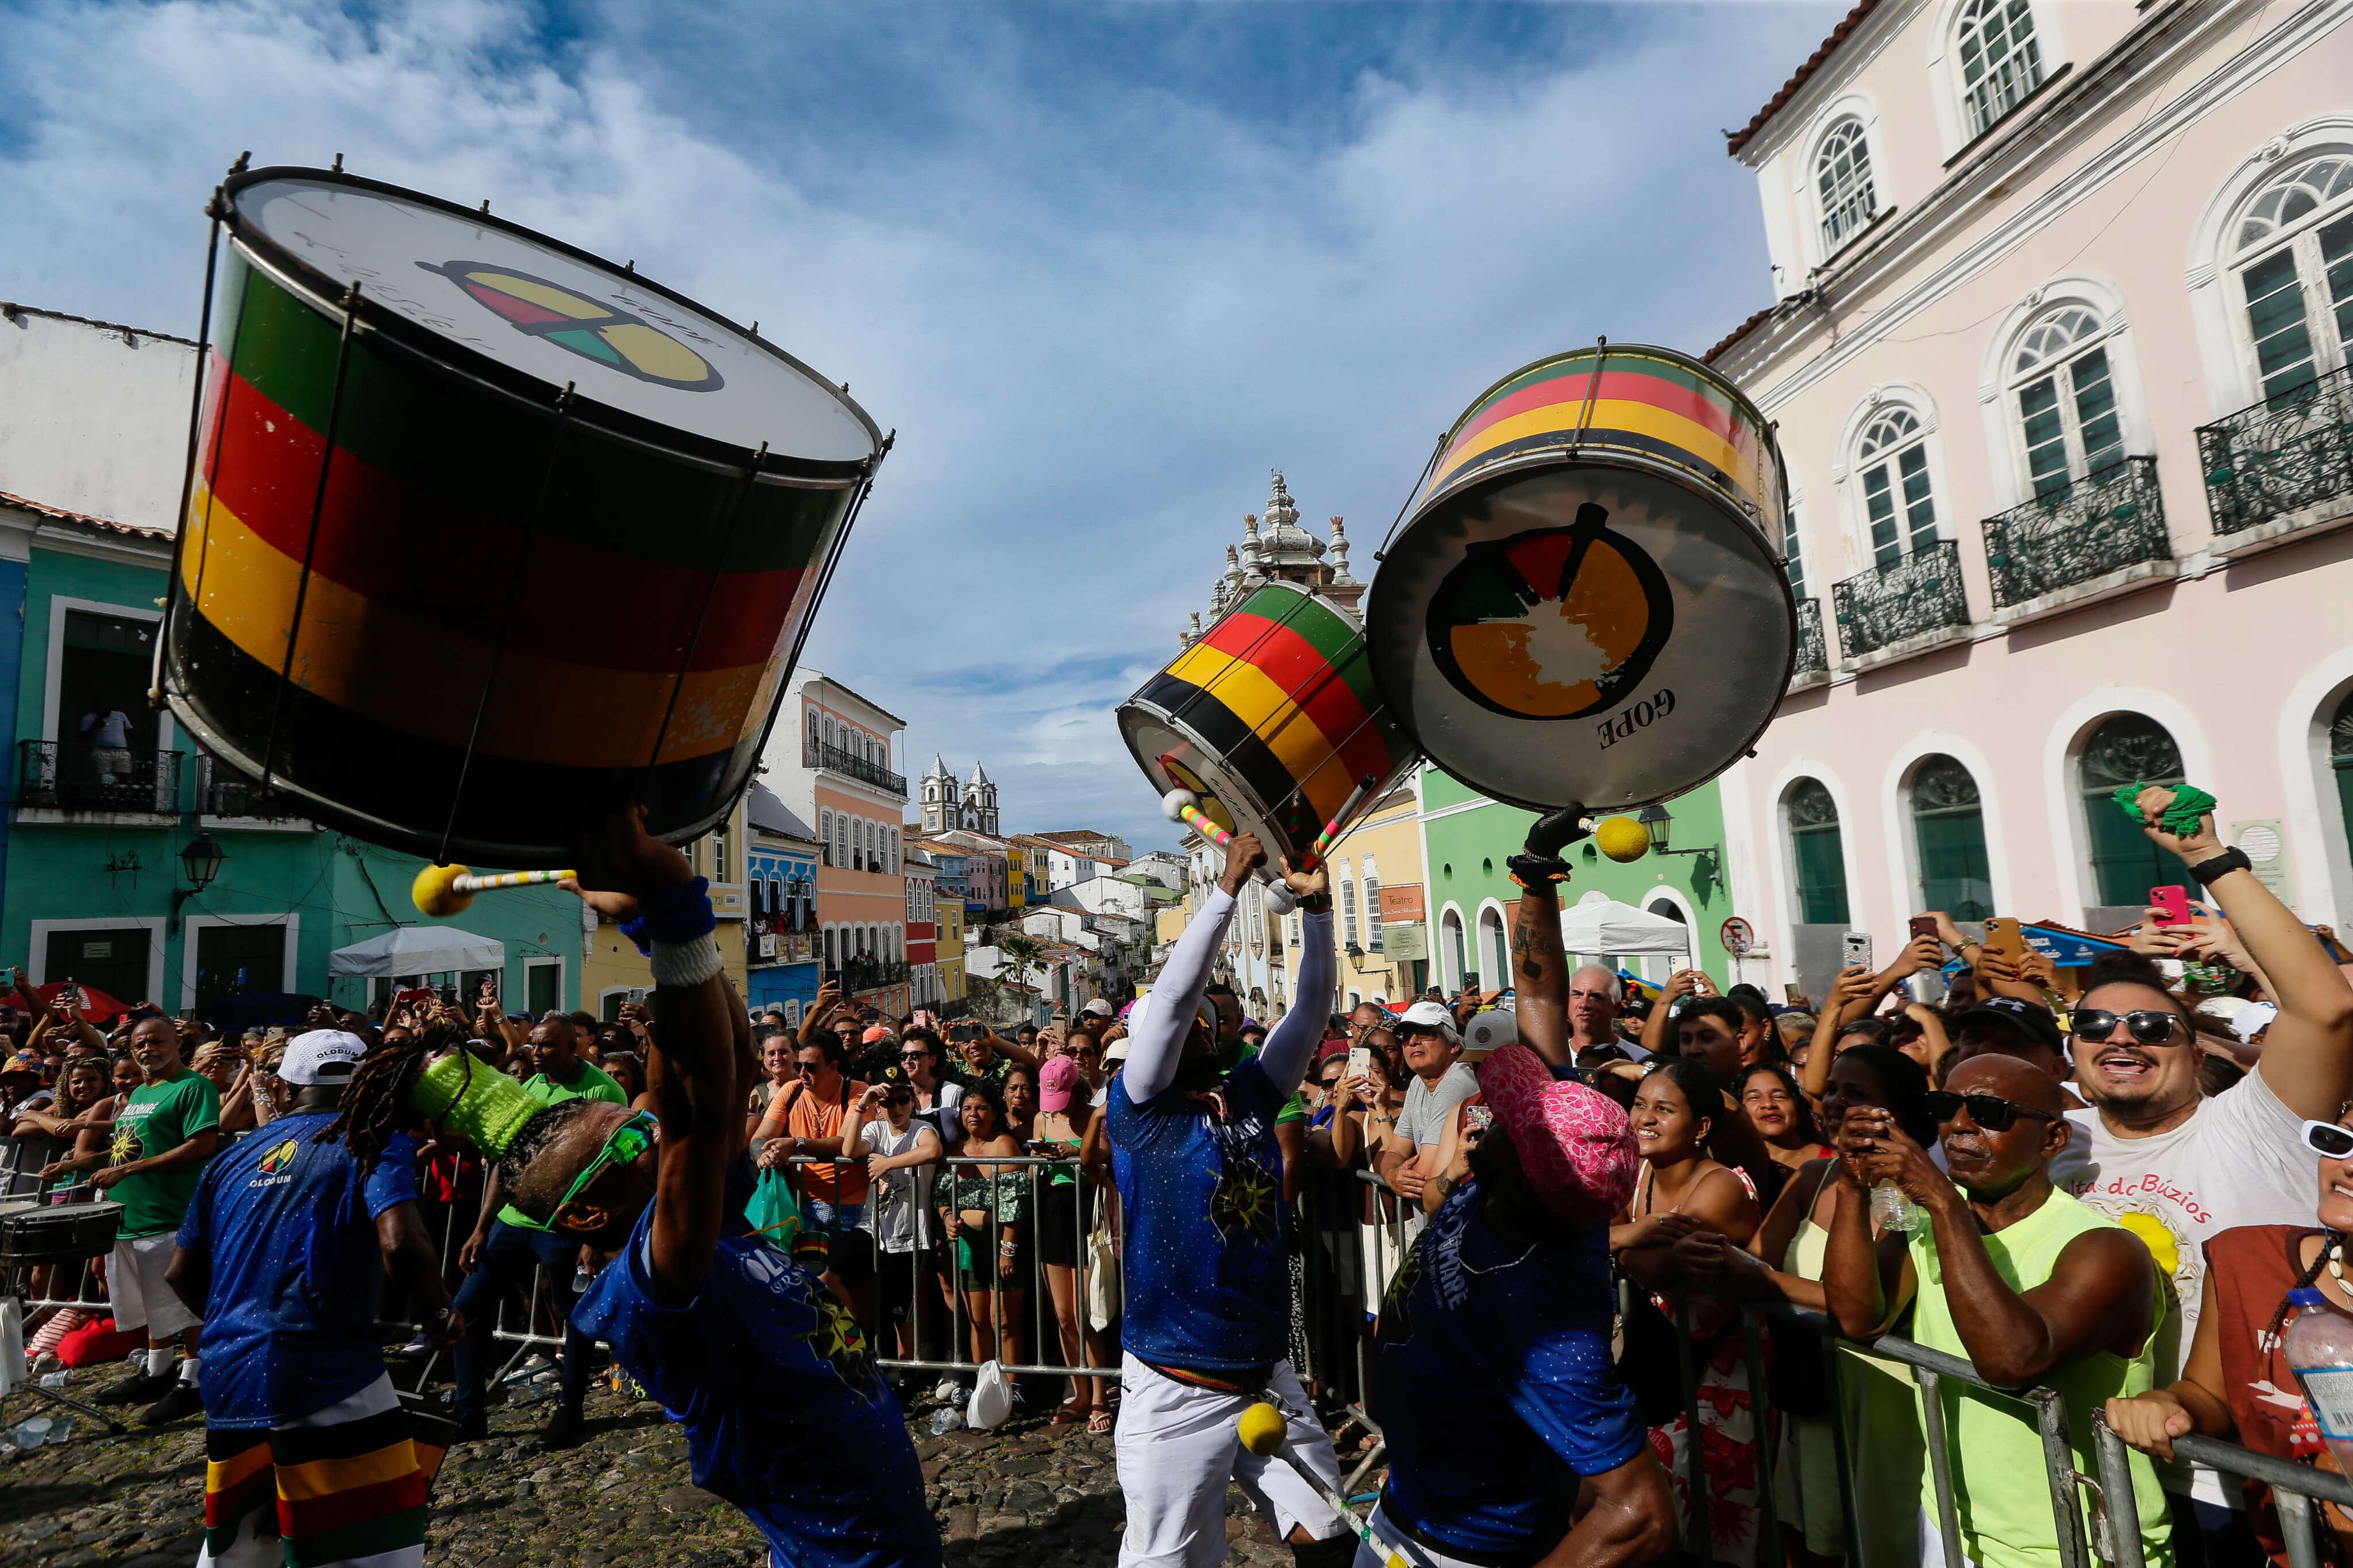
[(871, 975), (1918, 595), (63, 775), (1813, 649), (2282, 455), (818, 754), (2099, 525), (225, 795)]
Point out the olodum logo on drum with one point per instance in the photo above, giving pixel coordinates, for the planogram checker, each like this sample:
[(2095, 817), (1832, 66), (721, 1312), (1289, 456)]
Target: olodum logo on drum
[(599, 332)]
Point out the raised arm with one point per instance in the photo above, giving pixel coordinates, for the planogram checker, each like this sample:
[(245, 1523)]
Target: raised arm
[(1814, 1078), (1540, 973), (1291, 1044), (2307, 1057), (1158, 1040)]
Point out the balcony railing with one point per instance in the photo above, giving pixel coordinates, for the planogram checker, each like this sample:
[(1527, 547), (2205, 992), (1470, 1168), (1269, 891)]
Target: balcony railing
[(227, 795), (779, 947), (2099, 525), (1920, 593), (64, 775), (1813, 649), (867, 973), (2285, 454), (818, 754)]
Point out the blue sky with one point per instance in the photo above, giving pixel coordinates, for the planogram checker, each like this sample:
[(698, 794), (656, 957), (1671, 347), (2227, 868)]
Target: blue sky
[(1102, 266)]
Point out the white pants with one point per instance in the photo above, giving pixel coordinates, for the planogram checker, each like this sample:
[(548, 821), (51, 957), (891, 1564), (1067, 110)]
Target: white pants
[(1932, 1544), (134, 1283), (1176, 1451)]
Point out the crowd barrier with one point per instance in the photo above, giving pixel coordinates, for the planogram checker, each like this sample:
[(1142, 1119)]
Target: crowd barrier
[(1353, 1234)]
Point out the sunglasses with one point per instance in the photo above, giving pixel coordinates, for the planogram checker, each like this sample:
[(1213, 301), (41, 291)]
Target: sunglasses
[(630, 1140), (2152, 1026), (1989, 1111), (2327, 1139), (898, 1099)]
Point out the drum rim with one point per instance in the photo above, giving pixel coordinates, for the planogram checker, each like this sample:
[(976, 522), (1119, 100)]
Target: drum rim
[(446, 354), (1672, 356), (1501, 472)]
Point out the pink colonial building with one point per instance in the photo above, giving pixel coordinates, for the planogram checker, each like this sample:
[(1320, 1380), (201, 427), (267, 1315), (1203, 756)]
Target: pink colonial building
[(2059, 361)]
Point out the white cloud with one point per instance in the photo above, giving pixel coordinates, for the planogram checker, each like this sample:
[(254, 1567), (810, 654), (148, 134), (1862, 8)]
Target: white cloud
[(1096, 317)]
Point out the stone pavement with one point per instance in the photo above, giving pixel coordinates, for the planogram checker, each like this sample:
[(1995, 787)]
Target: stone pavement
[(1029, 1494)]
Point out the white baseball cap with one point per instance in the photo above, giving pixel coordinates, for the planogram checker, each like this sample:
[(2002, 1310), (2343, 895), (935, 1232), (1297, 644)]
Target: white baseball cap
[(1098, 1008), (322, 1057), (1430, 1015), (1488, 1031)]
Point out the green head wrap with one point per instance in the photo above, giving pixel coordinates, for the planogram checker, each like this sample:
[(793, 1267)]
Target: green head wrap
[(481, 1102), (2180, 818)]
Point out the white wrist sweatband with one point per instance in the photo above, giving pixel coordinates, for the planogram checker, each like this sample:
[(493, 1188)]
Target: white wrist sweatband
[(688, 963)]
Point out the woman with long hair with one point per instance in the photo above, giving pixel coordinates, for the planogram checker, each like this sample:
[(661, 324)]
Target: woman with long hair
[(1681, 1193), (985, 1220), (1778, 1108), (1064, 1214)]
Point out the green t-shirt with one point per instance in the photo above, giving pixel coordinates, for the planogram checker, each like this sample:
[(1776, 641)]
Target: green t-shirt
[(157, 1118), (588, 1082)]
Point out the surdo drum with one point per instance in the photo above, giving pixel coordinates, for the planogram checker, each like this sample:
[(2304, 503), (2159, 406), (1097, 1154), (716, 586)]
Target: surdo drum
[(1586, 606), (484, 532), (1271, 719)]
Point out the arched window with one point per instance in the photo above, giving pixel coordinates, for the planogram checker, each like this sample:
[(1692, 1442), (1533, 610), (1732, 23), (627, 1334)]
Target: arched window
[(1494, 950), (2130, 748), (825, 838), (813, 736), (1348, 907), (1842, 181), (1667, 966), (2340, 759), (1899, 506), (1372, 906), (2066, 399), (2292, 253), (1815, 854), (1452, 955), (2000, 62), (1948, 828), (828, 729), (1793, 557)]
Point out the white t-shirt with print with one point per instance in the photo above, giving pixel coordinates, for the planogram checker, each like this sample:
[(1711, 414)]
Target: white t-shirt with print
[(902, 1219), (2239, 1160)]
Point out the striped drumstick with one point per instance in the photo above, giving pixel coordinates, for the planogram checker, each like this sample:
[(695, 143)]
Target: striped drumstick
[(1183, 805), (441, 891), (1332, 828)]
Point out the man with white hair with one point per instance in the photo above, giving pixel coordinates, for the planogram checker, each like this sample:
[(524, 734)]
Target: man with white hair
[(1595, 995)]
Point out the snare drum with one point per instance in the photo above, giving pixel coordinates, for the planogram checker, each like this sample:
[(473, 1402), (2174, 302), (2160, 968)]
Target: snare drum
[(1587, 606), (482, 528), (1271, 717), (33, 1230)]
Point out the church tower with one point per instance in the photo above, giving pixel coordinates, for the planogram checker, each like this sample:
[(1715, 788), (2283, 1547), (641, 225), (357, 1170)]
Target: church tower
[(939, 797), (980, 802)]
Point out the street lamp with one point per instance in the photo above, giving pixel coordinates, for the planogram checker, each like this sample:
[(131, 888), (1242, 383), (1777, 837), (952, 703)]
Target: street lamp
[(1710, 869), (200, 862)]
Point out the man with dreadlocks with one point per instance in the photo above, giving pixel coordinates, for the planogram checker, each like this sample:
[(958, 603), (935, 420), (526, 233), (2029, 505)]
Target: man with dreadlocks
[(786, 1415), (1207, 1329), (284, 1251)]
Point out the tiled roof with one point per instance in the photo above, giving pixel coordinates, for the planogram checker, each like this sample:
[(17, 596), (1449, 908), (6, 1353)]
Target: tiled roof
[(1734, 141), (1738, 333), (59, 513)]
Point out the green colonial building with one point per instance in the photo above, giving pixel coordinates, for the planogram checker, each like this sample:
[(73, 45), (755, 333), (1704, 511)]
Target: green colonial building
[(1467, 837)]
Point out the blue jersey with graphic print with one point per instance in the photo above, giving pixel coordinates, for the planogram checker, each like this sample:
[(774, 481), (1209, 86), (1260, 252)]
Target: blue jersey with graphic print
[(1494, 1385), (1208, 1279), (288, 1226), (786, 1415)]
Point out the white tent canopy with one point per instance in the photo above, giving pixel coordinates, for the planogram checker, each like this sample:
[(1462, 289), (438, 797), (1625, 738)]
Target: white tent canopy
[(418, 950), (1621, 930)]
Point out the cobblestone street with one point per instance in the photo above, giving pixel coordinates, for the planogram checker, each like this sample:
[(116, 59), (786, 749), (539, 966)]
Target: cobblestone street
[(1039, 1495)]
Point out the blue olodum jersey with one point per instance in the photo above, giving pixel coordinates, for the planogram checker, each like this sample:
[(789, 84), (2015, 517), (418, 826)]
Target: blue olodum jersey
[(1208, 1279), (1494, 1385)]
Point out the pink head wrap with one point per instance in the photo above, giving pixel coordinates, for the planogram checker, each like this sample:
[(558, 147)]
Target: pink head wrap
[(1573, 1142)]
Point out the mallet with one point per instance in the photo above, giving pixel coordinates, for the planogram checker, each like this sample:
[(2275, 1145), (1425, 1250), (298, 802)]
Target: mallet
[(441, 891), (1183, 805), (1264, 1432)]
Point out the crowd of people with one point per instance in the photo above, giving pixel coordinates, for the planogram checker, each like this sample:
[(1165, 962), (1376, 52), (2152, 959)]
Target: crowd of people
[(1538, 1245)]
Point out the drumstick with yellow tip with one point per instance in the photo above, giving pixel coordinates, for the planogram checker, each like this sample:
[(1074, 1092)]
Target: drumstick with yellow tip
[(441, 891), (1183, 805), (1266, 1432)]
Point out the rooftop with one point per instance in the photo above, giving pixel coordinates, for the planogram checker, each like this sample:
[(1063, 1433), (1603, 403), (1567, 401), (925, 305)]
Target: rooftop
[(1734, 141), (60, 514)]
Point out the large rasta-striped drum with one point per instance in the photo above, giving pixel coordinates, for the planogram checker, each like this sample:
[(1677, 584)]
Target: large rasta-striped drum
[(483, 534), (1271, 717), (1586, 605)]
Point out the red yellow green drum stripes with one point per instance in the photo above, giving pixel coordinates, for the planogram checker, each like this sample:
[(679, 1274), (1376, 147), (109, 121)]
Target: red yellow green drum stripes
[(351, 1491), (1646, 400)]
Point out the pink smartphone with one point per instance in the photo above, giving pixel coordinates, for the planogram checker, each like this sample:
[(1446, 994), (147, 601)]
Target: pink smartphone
[(2173, 904)]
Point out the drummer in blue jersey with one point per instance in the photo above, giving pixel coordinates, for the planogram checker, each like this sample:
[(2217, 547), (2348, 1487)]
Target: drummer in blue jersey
[(1208, 1285), (1513, 1440), (786, 1415)]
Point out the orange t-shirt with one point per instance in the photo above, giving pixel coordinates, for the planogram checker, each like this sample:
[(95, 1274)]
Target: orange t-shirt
[(808, 1116)]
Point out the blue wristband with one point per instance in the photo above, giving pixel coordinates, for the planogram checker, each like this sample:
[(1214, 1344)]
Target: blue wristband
[(680, 912)]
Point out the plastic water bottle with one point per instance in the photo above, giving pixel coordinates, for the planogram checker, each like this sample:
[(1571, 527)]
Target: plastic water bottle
[(947, 1419), (581, 1280), (2319, 1348), (1891, 1210)]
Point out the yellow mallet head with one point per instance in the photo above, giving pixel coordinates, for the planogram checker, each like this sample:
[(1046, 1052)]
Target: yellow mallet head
[(1622, 838), (1262, 1429), (435, 891)]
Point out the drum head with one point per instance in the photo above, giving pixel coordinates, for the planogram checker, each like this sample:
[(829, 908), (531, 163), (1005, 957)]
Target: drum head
[(1581, 635), (532, 306)]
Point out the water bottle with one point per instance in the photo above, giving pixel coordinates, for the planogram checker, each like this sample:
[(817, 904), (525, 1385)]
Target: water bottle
[(2319, 1349), (1891, 1210), (947, 1419), (581, 1280)]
